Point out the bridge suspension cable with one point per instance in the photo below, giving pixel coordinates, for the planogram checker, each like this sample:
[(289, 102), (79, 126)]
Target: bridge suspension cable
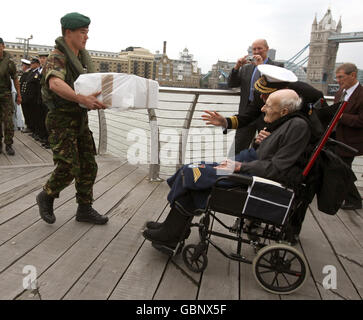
[(297, 55)]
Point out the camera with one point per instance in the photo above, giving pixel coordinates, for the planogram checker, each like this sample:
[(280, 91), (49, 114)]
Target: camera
[(250, 59)]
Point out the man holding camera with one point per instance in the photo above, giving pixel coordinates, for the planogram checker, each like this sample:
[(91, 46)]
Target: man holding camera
[(244, 75)]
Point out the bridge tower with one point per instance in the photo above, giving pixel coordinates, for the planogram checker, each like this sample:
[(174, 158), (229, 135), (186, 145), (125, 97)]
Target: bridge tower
[(322, 52)]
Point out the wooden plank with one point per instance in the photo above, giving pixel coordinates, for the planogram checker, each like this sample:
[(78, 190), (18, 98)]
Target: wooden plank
[(220, 280), (142, 277), (347, 249), (7, 174), (23, 180), (353, 222), (35, 180), (44, 154), (42, 244), (89, 250), (16, 159), (3, 159), (319, 254), (37, 232), (23, 212), (25, 152)]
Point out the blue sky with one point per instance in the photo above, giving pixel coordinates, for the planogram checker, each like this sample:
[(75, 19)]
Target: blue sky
[(210, 29)]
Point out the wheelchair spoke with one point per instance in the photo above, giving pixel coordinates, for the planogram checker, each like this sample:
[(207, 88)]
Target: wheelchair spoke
[(267, 271), (275, 279), (286, 279)]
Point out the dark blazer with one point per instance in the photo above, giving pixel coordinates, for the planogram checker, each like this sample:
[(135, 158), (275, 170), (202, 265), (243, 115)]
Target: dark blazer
[(242, 78), (350, 126)]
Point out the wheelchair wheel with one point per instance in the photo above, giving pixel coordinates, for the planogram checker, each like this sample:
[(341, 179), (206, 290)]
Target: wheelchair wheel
[(280, 269), (195, 258)]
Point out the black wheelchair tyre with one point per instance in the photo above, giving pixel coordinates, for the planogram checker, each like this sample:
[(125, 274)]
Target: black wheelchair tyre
[(280, 269), (195, 258)]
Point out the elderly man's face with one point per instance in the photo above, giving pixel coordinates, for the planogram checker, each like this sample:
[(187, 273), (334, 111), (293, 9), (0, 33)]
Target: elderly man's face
[(344, 80), (259, 47), (272, 109)]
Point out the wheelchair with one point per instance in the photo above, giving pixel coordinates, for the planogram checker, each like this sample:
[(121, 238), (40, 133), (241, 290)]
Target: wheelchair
[(265, 212), (279, 268)]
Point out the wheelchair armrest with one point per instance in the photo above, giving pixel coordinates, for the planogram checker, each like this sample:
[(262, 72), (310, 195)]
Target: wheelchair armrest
[(237, 178)]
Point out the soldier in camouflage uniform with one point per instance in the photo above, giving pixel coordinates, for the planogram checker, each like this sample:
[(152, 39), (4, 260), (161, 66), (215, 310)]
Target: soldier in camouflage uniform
[(7, 71), (67, 123)]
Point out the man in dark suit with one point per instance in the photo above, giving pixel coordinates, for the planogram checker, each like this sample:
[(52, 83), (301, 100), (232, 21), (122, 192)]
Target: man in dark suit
[(350, 127), (244, 75)]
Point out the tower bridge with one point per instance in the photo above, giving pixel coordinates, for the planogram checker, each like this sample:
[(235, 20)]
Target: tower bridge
[(324, 43)]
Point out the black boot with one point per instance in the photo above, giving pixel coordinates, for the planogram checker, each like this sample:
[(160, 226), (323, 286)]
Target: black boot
[(85, 213), (171, 231), (153, 225), (9, 150), (45, 203)]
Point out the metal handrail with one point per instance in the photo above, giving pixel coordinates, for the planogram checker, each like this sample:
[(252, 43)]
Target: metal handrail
[(154, 166)]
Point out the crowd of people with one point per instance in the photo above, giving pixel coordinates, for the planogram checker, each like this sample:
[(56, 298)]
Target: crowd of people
[(272, 102), (26, 87)]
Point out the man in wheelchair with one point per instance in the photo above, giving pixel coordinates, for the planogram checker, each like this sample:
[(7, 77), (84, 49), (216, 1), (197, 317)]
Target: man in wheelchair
[(281, 144)]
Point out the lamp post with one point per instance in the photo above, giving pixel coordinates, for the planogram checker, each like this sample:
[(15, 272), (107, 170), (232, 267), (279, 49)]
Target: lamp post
[(25, 42)]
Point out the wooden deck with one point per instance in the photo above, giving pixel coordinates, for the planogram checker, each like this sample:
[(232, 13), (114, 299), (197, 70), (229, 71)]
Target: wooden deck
[(80, 261)]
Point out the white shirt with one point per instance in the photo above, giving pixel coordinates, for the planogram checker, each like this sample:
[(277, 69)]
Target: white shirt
[(350, 91)]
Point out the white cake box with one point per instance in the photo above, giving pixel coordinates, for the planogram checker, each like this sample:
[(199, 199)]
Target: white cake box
[(119, 91)]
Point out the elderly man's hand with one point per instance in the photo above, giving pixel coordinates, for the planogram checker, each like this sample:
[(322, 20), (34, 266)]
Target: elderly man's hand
[(257, 59), (91, 102), (229, 165), (240, 62), (262, 135), (214, 118)]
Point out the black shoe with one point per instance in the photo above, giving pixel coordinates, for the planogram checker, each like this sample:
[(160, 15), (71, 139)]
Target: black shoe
[(173, 230), (1, 147), (26, 130), (350, 206), (45, 203), (85, 213), (153, 225), (9, 150)]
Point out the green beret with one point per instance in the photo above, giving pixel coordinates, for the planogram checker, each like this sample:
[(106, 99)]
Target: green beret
[(75, 20)]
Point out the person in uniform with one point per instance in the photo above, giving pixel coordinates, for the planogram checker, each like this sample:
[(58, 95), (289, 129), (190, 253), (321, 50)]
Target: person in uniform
[(32, 97), (25, 67), (43, 109), (7, 72), (69, 135)]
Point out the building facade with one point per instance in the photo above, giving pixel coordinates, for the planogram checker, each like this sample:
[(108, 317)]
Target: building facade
[(133, 60), (182, 72)]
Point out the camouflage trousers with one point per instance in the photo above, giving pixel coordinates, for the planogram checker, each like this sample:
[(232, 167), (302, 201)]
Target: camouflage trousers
[(6, 118), (73, 154)]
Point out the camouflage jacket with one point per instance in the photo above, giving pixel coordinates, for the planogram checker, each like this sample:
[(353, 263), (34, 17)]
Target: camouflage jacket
[(7, 71)]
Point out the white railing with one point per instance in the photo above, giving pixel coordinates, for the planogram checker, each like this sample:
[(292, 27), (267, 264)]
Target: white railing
[(171, 135)]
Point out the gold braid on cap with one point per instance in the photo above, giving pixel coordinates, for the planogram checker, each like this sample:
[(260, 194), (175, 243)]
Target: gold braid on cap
[(261, 85)]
